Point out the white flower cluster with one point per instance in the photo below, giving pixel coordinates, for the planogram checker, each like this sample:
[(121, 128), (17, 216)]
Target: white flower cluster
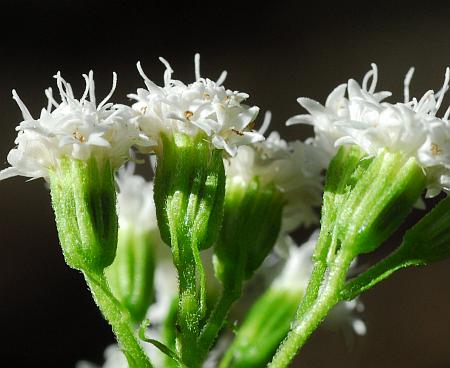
[(73, 128), (295, 275), (363, 118), (295, 168), (202, 106)]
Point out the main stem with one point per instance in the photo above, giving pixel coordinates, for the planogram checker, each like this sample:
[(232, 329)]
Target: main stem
[(306, 323), (119, 320)]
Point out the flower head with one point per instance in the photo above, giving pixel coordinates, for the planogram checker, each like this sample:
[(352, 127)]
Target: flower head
[(363, 118), (202, 106), (294, 168), (78, 129)]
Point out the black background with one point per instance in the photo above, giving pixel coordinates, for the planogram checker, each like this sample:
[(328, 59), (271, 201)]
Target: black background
[(274, 52)]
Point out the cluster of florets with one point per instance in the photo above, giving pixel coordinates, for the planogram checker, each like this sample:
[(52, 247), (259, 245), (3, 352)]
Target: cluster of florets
[(79, 129), (202, 106), (295, 168), (365, 119)]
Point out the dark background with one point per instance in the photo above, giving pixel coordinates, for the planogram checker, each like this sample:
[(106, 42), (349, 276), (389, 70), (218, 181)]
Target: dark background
[(275, 53)]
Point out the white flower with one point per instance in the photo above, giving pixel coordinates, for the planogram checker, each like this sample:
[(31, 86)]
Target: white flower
[(136, 207), (202, 106), (363, 118), (78, 129), (294, 278), (293, 167)]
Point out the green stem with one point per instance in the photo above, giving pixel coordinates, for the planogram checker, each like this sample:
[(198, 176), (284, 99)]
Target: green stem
[(119, 319), (188, 317), (216, 321), (305, 326), (314, 284), (375, 274), (189, 307), (168, 332)]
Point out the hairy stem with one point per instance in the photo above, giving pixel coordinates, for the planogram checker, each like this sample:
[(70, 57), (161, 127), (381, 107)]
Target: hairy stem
[(216, 320), (305, 324), (119, 320)]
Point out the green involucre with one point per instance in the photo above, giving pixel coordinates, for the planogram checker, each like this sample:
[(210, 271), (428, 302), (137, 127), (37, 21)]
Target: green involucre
[(84, 201), (379, 202), (189, 189), (251, 225)]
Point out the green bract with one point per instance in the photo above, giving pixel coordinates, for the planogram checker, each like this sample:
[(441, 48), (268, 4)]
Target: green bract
[(84, 201), (251, 225), (131, 274)]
